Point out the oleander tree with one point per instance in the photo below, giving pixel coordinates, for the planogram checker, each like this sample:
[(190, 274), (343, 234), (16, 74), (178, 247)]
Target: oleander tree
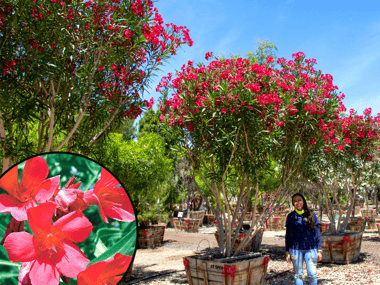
[(73, 71), (351, 143), (234, 118)]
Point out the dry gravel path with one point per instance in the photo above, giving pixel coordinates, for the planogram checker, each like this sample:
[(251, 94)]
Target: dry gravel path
[(167, 260)]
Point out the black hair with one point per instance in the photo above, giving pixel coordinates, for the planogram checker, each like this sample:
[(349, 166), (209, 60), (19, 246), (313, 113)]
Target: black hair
[(307, 213)]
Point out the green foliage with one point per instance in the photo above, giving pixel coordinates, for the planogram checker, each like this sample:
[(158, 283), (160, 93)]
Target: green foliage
[(143, 168), (150, 123), (263, 50)]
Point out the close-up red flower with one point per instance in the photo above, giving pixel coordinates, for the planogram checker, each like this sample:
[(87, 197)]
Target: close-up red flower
[(105, 272), (33, 188), (51, 250), (70, 198), (112, 201)]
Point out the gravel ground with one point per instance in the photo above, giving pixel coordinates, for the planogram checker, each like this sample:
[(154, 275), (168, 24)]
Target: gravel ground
[(164, 265)]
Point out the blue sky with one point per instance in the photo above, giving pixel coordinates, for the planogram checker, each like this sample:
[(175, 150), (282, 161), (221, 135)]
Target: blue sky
[(343, 36)]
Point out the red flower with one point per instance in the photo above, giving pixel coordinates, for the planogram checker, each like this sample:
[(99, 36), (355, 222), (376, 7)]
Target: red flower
[(190, 127), (34, 44), (340, 147), (112, 201), (105, 272), (292, 110), (41, 49), (208, 55), (100, 68), (312, 141), (224, 110), (33, 188), (51, 251)]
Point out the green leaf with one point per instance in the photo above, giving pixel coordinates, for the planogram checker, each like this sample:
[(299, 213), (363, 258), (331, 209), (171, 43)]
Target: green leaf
[(9, 263), (126, 245), (8, 275), (107, 232)]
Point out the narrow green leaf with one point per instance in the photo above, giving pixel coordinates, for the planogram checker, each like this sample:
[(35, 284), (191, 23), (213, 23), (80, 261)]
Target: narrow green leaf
[(125, 245), (8, 275), (10, 263)]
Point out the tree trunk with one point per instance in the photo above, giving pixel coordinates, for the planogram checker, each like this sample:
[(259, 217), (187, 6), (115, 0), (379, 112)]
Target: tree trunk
[(377, 200), (353, 212), (320, 207)]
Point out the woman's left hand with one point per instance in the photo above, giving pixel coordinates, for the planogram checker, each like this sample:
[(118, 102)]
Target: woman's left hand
[(319, 256)]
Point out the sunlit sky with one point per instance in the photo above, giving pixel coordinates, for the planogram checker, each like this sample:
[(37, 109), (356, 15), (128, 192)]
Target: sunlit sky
[(343, 36)]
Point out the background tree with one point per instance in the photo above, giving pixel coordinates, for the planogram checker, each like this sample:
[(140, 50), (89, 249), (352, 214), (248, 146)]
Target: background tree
[(351, 143), (144, 169)]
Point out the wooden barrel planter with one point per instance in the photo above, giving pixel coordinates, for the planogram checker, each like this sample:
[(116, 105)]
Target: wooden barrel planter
[(151, 236), (276, 223), (247, 216), (357, 224), (209, 218), (199, 215), (252, 246), (341, 249), (372, 221), (248, 268), (187, 225), (359, 202), (368, 213)]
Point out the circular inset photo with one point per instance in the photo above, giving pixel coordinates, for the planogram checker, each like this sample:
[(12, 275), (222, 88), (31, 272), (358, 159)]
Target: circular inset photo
[(64, 219)]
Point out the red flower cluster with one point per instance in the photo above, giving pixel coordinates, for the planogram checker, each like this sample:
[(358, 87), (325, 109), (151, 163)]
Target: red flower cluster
[(360, 133), (103, 35), (288, 95), (51, 252)]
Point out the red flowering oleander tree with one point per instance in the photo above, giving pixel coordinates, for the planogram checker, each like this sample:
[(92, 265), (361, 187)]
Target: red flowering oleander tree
[(73, 71), (234, 118), (50, 246), (351, 143)]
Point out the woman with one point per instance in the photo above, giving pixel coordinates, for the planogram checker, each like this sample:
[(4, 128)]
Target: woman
[(303, 240)]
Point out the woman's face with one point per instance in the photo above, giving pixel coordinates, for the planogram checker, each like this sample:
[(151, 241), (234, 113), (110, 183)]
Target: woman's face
[(298, 203)]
